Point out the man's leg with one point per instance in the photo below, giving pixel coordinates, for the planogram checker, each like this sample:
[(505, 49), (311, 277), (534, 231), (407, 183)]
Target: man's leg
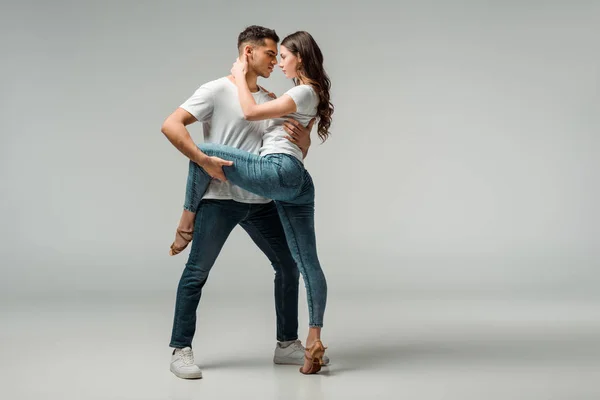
[(215, 220), (264, 227)]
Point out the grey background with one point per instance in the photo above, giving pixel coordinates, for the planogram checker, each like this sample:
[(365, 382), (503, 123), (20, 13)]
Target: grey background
[(463, 155), (456, 211)]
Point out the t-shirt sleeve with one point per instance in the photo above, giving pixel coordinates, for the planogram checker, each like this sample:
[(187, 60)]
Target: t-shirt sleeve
[(200, 104), (303, 97)]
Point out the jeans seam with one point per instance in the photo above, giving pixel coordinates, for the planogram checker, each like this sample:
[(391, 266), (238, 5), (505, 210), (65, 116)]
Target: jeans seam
[(220, 153), (305, 275), (280, 175)]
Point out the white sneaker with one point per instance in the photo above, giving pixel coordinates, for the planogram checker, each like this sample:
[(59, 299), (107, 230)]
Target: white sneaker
[(182, 364), (292, 354)]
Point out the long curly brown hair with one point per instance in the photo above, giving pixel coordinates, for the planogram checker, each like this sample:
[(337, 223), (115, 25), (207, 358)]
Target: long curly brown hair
[(312, 72)]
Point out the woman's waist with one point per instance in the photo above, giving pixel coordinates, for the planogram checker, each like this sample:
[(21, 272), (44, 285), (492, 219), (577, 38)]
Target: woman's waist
[(277, 143)]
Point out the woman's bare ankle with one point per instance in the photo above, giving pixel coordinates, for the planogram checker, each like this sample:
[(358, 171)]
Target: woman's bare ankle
[(186, 223), (314, 334)]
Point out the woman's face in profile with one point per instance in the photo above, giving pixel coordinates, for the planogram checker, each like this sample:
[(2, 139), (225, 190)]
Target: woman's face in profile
[(289, 63)]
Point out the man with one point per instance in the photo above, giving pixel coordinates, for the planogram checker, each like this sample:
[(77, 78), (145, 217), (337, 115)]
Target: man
[(224, 206)]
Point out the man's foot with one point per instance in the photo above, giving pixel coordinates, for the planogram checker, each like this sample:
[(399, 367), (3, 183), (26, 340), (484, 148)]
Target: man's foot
[(182, 364), (292, 353)]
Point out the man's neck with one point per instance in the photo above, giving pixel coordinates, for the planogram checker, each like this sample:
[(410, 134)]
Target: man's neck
[(251, 80)]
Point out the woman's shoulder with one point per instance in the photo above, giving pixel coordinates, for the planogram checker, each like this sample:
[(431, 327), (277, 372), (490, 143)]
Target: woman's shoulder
[(304, 86), (305, 98), (302, 90)]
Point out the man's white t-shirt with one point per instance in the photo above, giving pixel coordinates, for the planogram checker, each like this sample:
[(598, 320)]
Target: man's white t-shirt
[(217, 106), (274, 141)]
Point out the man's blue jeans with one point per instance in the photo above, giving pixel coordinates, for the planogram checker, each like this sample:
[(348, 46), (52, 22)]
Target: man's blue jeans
[(215, 219), (283, 178)]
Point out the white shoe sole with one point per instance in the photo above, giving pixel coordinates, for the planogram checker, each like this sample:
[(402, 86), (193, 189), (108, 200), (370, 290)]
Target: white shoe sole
[(285, 361), (186, 375)]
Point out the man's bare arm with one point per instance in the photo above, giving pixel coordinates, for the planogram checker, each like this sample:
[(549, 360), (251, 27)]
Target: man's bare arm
[(174, 128)]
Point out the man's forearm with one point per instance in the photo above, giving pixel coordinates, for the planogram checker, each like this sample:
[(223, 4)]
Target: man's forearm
[(179, 136)]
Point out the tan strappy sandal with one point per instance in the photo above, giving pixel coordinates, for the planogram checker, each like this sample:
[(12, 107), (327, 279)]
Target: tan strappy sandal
[(316, 351), (185, 235)]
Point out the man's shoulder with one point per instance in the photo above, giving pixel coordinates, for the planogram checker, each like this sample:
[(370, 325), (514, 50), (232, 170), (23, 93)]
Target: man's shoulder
[(215, 89), (215, 84)]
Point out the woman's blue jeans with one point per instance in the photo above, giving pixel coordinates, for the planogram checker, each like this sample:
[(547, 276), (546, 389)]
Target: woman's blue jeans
[(283, 178)]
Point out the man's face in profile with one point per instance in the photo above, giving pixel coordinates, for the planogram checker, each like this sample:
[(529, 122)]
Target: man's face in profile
[(263, 59)]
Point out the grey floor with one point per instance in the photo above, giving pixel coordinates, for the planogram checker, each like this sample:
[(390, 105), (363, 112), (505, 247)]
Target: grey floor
[(388, 346)]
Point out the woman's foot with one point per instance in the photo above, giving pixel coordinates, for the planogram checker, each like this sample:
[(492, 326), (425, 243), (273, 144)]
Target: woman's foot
[(313, 358), (182, 239), (185, 232)]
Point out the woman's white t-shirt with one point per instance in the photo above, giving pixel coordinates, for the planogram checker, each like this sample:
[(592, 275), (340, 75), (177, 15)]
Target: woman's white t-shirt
[(273, 140)]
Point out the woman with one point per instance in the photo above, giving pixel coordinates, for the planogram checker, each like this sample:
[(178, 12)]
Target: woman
[(278, 172)]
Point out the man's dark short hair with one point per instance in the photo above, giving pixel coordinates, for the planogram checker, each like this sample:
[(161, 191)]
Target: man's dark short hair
[(256, 35)]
